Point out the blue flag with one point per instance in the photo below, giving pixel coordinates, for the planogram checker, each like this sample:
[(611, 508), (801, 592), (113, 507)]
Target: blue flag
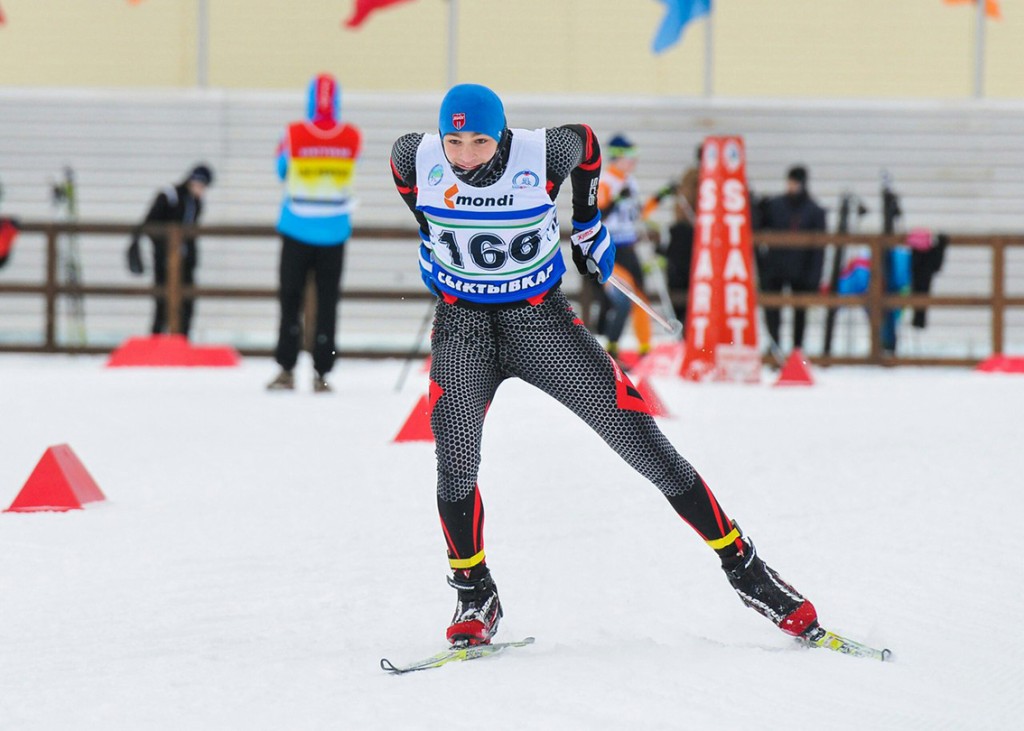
[(678, 14)]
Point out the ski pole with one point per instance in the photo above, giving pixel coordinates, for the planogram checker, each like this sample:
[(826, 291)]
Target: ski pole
[(659, 279), (673, 326)]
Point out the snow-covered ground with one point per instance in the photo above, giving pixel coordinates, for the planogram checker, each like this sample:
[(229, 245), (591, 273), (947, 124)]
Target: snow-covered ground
[(259, 553)]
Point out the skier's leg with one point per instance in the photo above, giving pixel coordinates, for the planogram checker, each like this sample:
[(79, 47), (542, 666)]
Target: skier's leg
[(159, 280), (615, 320), (549, 347), (800, 313), (330, 260), (772, 284), (799, 325), (291, 285), (188, 278), (635, 279), (464, 376), (600, 299)]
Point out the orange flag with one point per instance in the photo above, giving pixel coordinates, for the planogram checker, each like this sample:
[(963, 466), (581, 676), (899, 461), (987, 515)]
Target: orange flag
[(362, 8), (991, 7)]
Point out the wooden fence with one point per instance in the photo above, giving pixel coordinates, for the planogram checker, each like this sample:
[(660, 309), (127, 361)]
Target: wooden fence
[(875, 300)]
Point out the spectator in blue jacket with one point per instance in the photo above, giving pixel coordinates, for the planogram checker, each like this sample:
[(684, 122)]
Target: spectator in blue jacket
[(316, 160)]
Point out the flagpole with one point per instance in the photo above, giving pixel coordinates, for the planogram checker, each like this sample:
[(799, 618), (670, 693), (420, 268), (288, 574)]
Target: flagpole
[(979, 50), (708, 54), (202, 44), (453, 40)]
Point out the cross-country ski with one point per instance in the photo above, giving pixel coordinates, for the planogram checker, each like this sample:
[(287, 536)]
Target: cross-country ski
[(453, 654)]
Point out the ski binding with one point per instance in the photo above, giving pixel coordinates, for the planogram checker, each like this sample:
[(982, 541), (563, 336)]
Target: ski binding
[(821, 637)]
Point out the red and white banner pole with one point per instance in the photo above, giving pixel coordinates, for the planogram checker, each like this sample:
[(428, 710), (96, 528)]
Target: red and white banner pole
[(721, 318)]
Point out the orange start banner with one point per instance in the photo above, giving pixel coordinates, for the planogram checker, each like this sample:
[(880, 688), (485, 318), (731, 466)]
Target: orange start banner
[(721, 319)]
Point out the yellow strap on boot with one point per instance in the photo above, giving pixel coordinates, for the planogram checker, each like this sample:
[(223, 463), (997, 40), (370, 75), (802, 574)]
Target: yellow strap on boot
[(466, 563)]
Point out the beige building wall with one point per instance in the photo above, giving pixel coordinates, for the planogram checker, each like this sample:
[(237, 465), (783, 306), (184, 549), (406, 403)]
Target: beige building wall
[(782, 48)]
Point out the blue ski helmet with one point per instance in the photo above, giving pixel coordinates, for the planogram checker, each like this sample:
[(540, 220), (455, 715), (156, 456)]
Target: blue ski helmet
[(323, 99), (471, 108)]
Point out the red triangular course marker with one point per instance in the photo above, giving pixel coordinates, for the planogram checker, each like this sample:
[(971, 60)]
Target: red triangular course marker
[(170, 351), (796, 371), (1002, 364), (417, 427), (59, 482)]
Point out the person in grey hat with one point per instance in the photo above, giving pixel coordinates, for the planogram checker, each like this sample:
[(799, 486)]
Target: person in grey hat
[(181, 203)]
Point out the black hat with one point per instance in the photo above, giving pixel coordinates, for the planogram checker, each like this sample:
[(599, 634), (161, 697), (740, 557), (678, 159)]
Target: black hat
[(202, 174), (798, 173)]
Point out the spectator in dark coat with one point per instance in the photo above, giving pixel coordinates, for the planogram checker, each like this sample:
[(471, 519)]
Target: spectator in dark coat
[(798, 268), (181, 203)]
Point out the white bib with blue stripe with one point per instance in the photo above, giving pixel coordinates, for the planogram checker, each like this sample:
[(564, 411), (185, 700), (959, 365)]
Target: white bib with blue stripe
[(497, 243)]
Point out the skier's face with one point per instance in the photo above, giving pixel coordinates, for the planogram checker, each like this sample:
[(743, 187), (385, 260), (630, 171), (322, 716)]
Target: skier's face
[(469, 150)]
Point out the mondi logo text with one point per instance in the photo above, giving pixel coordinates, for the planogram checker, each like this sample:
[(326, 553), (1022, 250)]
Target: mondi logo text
[(452, 199)]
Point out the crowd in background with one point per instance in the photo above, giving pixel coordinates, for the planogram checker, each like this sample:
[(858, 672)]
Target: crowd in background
[(316, 159)]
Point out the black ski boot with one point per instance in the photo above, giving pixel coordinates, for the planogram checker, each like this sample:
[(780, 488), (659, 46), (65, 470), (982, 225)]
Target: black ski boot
[(478, 609), (764, 591)]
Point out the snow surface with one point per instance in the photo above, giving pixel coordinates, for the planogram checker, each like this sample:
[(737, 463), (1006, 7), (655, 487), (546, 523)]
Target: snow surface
[(259, 553)]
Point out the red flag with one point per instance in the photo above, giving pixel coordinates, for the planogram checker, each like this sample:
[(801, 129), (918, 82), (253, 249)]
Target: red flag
[(364, 7), (991, 7), (3, 20)]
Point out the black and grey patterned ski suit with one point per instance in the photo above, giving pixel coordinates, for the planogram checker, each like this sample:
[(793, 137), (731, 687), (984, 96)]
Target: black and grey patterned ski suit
[(475, 347)]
